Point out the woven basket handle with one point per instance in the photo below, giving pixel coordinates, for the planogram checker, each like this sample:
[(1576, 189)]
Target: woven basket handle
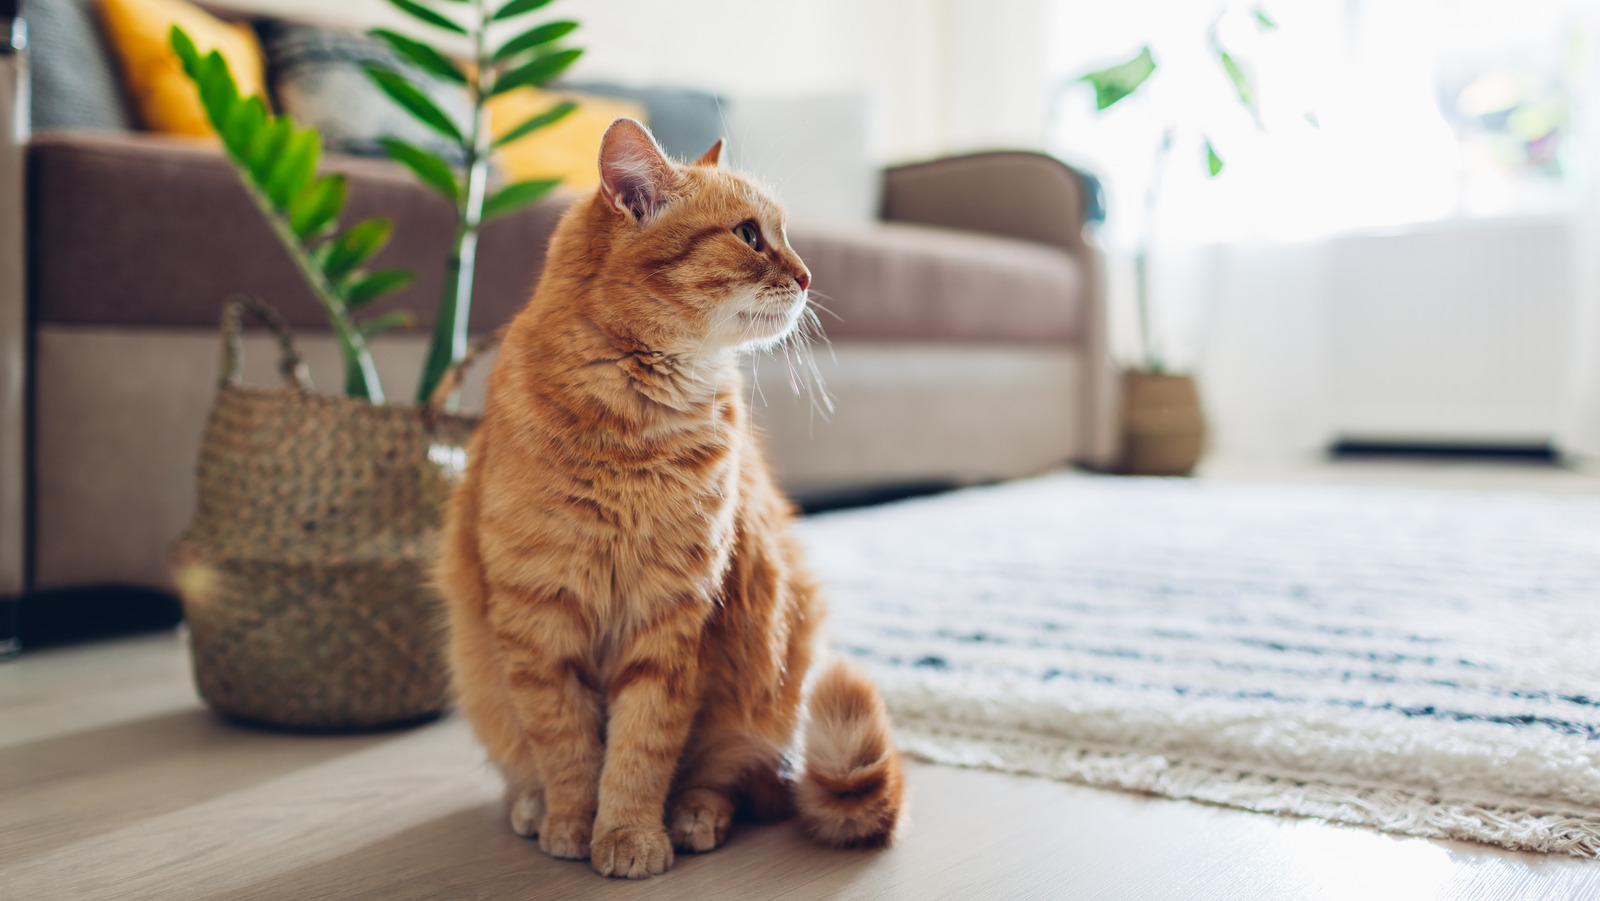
[(451, 381), (290, 366)]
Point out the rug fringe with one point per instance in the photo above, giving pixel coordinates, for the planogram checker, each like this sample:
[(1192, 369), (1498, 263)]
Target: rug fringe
[(1388, 809)]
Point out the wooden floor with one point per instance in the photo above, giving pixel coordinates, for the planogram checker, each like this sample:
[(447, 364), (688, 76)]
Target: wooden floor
[(116, 783)]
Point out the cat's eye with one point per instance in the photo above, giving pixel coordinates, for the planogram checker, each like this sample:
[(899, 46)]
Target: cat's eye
[(749, 234)]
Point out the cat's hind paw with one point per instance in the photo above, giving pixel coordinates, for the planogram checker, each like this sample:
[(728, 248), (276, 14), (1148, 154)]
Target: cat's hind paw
[(527, 812), (632, 852), (700, 820)]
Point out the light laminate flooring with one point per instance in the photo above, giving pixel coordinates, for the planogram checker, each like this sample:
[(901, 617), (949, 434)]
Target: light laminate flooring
[(116, 782)]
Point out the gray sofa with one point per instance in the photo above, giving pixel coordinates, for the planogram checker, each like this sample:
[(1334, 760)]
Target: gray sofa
[(969, 344)]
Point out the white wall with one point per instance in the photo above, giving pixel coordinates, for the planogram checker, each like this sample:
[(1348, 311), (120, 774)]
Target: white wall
[(1436, 334), (940, 75)]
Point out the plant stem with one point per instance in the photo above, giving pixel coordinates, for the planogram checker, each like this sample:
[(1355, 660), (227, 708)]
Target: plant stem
[(360, 375), (1141, 278), (1149, 347), (449, 342)]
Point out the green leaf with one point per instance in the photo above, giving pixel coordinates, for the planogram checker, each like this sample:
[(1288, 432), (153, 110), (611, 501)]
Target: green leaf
[(548, 117), (1213, 162), (385, 321), (415, 102), (534, 37), (1311, 117), (184, 47), (516, 195), (266, 147), (538, 70), (517, 8), (417, 10), (433, 171), (1117, 82), (1242, 82), (315, 208), (371, 286), (356, 246), (248, 119), (424, 56), (218, 93), (1263, 20), (291, 172)]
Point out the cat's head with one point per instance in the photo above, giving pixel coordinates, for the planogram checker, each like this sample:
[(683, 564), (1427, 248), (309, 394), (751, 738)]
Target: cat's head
[(701, 249)]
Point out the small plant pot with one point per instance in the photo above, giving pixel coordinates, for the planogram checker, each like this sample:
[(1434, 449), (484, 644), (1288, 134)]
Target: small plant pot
[(1163, 428)]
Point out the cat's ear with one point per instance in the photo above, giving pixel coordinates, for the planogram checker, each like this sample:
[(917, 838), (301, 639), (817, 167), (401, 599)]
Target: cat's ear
[(711, 157), (634, 173)]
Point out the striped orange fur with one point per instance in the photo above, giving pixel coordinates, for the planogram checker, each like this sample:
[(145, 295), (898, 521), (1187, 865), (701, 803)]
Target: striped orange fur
[(631, 622)]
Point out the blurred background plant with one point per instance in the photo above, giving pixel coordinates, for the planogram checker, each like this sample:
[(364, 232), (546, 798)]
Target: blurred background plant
[(277, 162), (1116, 83), (504, 54)]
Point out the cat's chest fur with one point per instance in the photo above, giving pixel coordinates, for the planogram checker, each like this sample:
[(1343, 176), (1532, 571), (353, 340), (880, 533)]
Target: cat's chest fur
[(626, 521)]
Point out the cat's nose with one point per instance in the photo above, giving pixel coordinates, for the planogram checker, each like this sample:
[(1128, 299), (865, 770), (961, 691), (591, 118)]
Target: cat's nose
[(803, 279)]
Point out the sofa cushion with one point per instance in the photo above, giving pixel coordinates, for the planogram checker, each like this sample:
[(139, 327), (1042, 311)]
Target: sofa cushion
[(138, 229), (317, 78), (685, 122), (896, 281), (815, 146), (569, 149), (73, 82), (140, 32)]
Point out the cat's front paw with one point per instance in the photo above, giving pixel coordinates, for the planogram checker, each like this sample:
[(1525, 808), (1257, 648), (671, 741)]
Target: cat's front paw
[(527, 813), (566, 836), (700, 820), (632, 852)]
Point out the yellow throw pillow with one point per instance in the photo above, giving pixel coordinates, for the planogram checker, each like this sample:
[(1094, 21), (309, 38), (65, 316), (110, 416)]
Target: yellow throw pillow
[(569, 149), (165, 98)]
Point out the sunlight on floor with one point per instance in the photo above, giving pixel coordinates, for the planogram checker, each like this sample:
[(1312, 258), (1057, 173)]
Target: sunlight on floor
[(1322, 860)]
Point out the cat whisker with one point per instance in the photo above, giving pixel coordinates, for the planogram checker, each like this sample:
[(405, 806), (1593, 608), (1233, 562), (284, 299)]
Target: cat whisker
[(814, 293), (794, 378), (755, 384), (808, 329)]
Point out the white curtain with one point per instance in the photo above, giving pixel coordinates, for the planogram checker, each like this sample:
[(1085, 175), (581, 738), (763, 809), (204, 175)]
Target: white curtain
[(1579, 435), (1244, 264)]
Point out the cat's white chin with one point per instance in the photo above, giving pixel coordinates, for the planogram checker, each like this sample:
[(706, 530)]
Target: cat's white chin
[(760, 328)]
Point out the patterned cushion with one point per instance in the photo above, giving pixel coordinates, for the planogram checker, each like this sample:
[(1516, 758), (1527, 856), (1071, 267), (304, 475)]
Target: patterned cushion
[(318, 80), (73, 82)]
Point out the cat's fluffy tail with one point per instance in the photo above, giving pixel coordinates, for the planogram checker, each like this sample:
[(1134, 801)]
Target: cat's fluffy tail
[(851, 793)]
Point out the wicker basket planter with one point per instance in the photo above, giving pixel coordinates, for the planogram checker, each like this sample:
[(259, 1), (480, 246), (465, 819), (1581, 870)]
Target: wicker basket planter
[(1163, 427), (304, 574)]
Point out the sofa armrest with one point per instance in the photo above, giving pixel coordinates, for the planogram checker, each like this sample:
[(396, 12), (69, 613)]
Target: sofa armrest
[(1032, 197), (1014, 194)]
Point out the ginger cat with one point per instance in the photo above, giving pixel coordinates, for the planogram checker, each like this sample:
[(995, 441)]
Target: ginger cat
[(631, 623)]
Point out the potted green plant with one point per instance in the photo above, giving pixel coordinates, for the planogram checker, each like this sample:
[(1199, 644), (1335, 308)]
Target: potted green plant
[(1162, 424), (505, 55), (304, 573)]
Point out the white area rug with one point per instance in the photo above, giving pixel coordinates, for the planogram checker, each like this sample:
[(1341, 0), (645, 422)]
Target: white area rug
[(1421, 662)]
